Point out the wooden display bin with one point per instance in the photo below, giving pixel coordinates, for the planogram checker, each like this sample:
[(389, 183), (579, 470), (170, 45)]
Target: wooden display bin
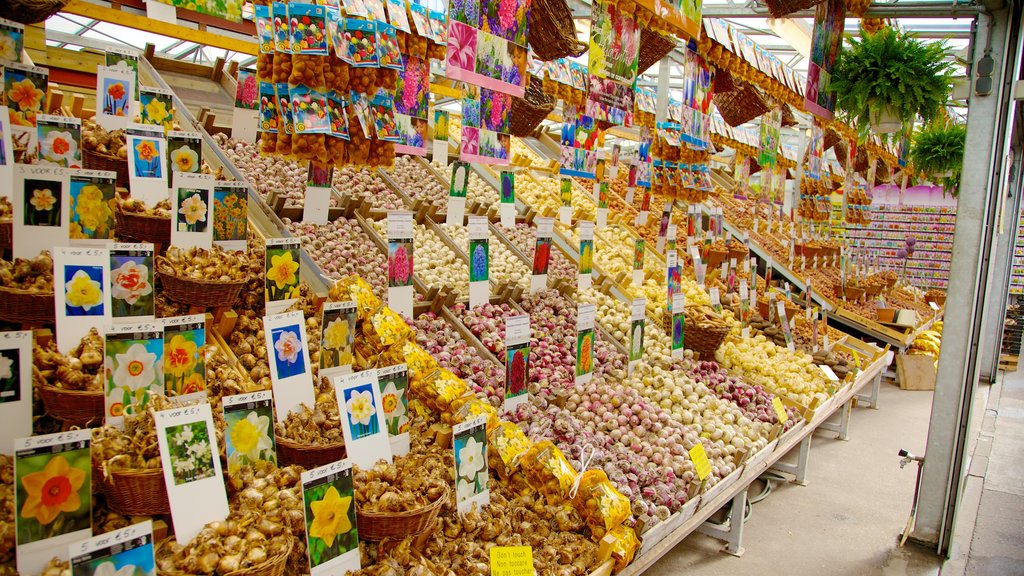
[(916, 372)]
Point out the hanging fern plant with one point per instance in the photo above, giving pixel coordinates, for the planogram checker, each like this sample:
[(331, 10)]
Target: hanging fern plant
[(891, 70), (939, 152)]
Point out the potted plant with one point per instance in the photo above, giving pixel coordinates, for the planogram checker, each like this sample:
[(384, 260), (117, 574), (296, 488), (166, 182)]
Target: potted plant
[(886, 79), (938, 151)]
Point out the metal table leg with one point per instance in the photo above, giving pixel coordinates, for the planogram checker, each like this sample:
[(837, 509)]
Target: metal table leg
[(732, 531), (799, 470), (842, 428)]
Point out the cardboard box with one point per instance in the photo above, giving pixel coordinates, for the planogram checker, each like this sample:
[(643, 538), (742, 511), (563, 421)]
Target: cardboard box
[(915, 372)]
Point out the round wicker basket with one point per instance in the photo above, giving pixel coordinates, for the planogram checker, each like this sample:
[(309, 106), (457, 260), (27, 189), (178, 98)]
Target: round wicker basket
[(82, 408), (376, 526), (290, 452), (272, 566), (143, 227), (26, 307), (198, 292), (96, 161), (136, 492)]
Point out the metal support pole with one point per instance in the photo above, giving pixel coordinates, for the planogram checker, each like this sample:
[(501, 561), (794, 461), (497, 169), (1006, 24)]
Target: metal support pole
[(732, 532), (798, 470), (976, 216), (871, 400), (664, 77)]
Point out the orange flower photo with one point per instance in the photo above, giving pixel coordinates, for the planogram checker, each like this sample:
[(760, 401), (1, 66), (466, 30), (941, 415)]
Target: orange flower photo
[(54, 494)]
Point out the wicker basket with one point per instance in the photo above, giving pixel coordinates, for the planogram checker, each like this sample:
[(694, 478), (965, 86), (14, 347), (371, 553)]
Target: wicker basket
[(80, 408), (831, 138), (780, 8), (723, 82), (653, 47), (6, 235), (30, 11), (788, 118), (138, 227), (272, 566), (26, 307), (291, 452), (200, 293), (704, 340), (376, 526), (531, 109), (95, 161), (741, 105), (136, 492), (851, 292), (553, 31)]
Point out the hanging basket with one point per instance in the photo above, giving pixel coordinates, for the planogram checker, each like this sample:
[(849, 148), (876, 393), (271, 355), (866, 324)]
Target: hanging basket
[(885, 121), (741, 105), (553, 31), (30, 11), (780, 8), (653, 47), (788, 118), (723, 82), (530, 110)]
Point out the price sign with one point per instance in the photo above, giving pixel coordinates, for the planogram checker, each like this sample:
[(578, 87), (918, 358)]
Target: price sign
[(700, 461), (780, 410)]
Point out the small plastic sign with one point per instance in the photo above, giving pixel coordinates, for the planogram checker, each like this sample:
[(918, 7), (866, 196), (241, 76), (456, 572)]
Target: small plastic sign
[(479, 261), (701, 464), (585, 316), (512, 561)]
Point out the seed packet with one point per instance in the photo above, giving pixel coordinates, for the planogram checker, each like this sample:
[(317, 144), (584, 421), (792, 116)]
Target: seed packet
[(397, 15), (375, 10), (360, 44), (388, 54), (383, 109), (355, 8), (269, 114), (439, 24), (336, 31), (361, 110), (265, 29), (284, 106), (309, 111), (308, 28), (336, 114), (421, 19), (281, 41)]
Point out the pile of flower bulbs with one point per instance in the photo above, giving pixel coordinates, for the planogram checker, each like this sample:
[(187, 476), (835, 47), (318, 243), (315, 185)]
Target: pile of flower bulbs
[(81, 369), (319, 425), (452, 352), (418, 183), (793, 375), (200, 264), (267, 174), (753, 401), (341, 248), (35, 275), (478, 191), (505, 265), (524, 237), (615, 316), (7, 509), (437, 265), (367, 185), (616, 245)]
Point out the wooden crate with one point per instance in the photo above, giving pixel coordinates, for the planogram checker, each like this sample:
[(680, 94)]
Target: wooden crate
[(1008, 362), (915, 372)]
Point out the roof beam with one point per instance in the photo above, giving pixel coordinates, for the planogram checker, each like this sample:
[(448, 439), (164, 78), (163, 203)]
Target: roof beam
[(902, 9)]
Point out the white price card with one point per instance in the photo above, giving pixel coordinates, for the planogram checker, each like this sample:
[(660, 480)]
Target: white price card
[(516, 360), (147, 163), (586, 266), (393, 382), (666, 218), (126, 551), (130, 296), (41, 205), (115, 97), (134, 369), (288, 356), (192, 472), (479, 261), (15, 386), (332, 539), (638, 322), (338, 324), (400, 262), (317, 203), (678, 324), (586, 315), (829, 373), (469, 441), (542, 254), (82, 279), (362, 418), (282, 263), (249, 429), (716, 299), (192, 209), (54, 496), (639, 252)]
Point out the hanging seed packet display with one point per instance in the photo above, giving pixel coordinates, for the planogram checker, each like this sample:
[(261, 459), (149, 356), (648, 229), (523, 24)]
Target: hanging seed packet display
[(52, 496), (487, 44), (614, 44), (486, 123), (411, 106), (579, 146), (829, 22)]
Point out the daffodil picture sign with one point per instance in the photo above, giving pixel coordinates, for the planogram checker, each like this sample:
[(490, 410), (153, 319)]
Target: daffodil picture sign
[(52, 496), (126, 59), (125, 552), (81, 278), (400, 262), (230, 215), (282, 273), (585, 317), (132, 357), (290, 374), (60, 141), (192, 470), (362, 418), (147, 163), (393, 382), (184, 152), (328, 502), (131, 283), (471, 473), (192, 209), (40, 204), (336, 345), (12, 40), (92, 207), (586, 273), (115, 93), (184, 361), (15, 385), (156, 107), (249, 433)]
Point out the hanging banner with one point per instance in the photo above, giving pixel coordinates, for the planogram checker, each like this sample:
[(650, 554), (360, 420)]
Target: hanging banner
[(400, 262), (684, 14), (542, 254), (486, 123), (771, 126), (479, 261), (517, 358), (585, 317), (411, 105), (614, 45), (487, 44), (829, 24)]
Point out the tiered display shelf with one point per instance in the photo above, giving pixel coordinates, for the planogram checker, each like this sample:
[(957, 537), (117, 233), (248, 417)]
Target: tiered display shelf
[(931, 226)]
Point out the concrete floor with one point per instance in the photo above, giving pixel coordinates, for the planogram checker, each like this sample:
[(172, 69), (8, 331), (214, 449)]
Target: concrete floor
[(846, 520)]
